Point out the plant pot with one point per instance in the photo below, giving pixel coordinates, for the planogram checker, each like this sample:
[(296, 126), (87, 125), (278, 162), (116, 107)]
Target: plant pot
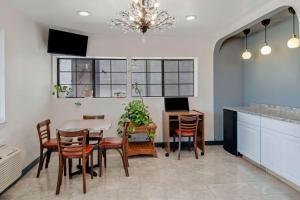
[(62, 94)]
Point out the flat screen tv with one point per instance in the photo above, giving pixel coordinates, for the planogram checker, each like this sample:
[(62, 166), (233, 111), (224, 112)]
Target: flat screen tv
[(177, 104), (60, 42)]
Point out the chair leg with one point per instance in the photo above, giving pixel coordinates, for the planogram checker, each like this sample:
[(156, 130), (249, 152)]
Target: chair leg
[(65, 168), (92, 165), (100, 161), (48, 158), (195, 148), (179, 146), (60, 174), (174, 140), (104, 156), (124, 162), (84, 174), (40, 163), (70, 168)]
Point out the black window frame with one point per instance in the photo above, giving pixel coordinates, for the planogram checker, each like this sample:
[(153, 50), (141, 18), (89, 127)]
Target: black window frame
[(93, 71), (163, 84)]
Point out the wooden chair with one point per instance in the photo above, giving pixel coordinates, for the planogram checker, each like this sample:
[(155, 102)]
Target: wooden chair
[(46, 143), (96, 136), (117, 143), (73, 149), (188, 126)]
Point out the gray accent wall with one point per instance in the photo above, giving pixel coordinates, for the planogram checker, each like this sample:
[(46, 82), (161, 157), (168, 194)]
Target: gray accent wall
[(228, 81), (272, 79)]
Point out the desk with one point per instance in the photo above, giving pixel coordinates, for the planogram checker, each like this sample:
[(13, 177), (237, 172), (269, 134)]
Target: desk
[(91, 125), (169, 117)]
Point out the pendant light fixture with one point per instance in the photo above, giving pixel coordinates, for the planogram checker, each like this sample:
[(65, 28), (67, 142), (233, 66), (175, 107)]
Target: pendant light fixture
[(246, 55), (294, 41), (266, 49)]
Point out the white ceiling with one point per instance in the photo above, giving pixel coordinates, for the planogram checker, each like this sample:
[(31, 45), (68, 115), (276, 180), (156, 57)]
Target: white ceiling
[(212, 15)]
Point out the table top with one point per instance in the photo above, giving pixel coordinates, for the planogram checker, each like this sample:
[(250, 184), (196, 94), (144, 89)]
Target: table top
[(93, 124), (191, 112)]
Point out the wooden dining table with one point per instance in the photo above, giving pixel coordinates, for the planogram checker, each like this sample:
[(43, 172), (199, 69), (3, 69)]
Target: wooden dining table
[(91, 125)]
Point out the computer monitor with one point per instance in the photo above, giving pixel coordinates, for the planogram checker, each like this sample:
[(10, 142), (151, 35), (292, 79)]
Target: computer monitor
[(177, 104)]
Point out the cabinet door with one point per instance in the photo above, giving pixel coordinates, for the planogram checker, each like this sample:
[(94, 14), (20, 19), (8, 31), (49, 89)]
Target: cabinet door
[(249, 141), (271, 150), (291, 159)]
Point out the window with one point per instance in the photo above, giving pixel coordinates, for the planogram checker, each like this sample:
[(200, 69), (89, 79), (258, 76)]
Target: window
[(162, 77), (2, 78), (105, 77)]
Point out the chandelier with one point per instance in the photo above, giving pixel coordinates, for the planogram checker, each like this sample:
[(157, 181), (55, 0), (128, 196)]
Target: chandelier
[(144, 15)]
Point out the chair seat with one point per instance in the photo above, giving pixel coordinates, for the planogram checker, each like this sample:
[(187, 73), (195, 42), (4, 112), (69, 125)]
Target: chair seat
[(76, 153), (52, 143), (185, 133), (111, 142)]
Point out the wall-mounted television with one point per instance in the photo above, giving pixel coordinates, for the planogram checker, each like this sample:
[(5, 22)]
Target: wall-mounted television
[(60, 42), (177, 104)]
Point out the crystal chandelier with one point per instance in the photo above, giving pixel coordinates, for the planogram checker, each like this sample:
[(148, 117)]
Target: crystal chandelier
[(144, 15)]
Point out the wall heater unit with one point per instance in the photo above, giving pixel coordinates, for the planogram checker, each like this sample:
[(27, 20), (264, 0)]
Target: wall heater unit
[(10, 166)]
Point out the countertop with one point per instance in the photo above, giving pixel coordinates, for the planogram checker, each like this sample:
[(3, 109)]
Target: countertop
[(291, 115)]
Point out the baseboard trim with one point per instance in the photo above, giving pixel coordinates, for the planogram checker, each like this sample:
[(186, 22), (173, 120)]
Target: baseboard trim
[(23, 173), (208, 143)]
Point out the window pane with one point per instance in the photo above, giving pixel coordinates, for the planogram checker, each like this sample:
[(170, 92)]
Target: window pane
[(102, 66), (119, 90), (84, 65), (171, 66), (84, 78), (154, 90), (186, 66), (138, 66), (171, 90), (142, 89), (171, 78), (139, 78), (186, 90), (67, 78), (119, 65), (186, 77), (102, 78), (103, 91), (66, 65), (82, 88), (154, 78), (119, 78), (154, 66)]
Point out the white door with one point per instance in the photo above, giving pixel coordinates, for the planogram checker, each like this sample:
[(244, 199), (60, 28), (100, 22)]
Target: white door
[(291, 159), (249, 141), (271, 150)]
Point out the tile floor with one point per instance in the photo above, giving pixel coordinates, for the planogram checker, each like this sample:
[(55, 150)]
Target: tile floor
[(218, 175)]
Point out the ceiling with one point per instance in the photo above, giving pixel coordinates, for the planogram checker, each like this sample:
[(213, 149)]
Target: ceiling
[(212, 15)]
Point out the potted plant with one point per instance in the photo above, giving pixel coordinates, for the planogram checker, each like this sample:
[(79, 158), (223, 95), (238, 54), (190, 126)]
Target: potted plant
[(62, 91)]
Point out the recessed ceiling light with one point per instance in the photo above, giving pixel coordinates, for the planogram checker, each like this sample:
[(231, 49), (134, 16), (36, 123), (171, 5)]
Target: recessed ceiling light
[(190, 17), (83, 13)]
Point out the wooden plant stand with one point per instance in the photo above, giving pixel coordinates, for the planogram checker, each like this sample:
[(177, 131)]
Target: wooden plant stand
[(146, 148)]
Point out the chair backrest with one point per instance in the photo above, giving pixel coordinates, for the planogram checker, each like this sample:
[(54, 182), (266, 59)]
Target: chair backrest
[(43, 129), (188, 123), (87, 117), (68, 141)]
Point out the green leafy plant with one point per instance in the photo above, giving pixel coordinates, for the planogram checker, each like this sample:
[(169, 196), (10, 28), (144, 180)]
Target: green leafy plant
[(138, 115), (59, 88)]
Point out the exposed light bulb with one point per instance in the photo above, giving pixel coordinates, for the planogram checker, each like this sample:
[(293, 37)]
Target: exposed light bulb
[(152, 22), (156, 5), (246, 55), (83, 13), (135, 1), (190, 17), (266, 49), (153, 17), (293, 42)]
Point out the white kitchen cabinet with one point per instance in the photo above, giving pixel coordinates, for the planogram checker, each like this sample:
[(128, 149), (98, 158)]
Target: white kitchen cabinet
[(248, 131), (271, 150)]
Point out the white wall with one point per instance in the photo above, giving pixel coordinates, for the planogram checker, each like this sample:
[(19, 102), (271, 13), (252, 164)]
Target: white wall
[(27, 81), (132, 46), (2, 79)]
